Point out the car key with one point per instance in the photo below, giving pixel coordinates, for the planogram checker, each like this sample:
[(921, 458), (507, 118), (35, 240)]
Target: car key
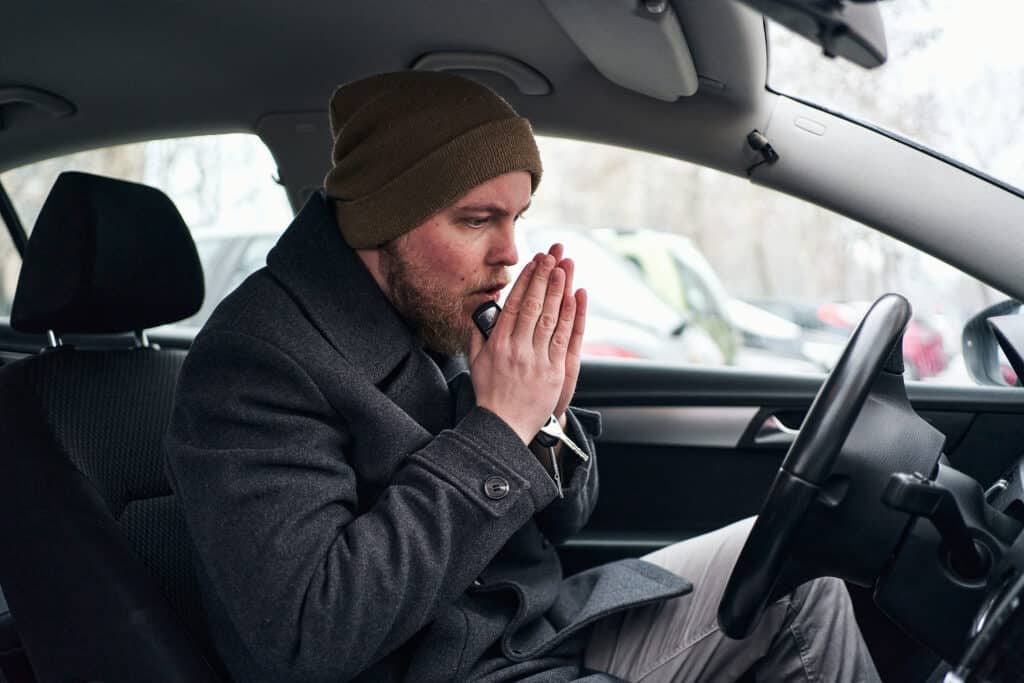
[(486, 317)]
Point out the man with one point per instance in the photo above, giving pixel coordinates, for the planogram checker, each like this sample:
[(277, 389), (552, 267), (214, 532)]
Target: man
[(362, 510)]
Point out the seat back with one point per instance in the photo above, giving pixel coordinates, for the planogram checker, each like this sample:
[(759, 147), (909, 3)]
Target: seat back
[(96, 561)]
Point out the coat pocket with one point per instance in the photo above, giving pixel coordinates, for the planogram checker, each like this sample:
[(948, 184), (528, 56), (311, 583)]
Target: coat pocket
[(589, 596)]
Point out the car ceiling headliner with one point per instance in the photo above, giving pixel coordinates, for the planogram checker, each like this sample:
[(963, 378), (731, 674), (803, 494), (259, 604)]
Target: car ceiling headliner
[(175, 67)]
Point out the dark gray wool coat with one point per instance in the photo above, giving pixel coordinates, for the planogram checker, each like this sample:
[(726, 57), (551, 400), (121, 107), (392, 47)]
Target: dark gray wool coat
[(333, 489)]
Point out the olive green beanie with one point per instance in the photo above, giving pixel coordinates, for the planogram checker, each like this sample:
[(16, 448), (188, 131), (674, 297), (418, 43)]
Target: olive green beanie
[(408, 144)]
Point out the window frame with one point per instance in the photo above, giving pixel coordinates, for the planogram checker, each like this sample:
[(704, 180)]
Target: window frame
[(15, 228)]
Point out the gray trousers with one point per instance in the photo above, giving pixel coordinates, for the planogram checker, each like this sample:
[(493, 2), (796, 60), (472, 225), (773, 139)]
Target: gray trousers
[(809, 635)]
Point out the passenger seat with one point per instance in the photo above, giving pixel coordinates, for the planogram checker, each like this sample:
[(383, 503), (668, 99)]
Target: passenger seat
[(96, 563)]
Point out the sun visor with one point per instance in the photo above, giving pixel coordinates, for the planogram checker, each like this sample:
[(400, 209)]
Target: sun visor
[(637, 45)]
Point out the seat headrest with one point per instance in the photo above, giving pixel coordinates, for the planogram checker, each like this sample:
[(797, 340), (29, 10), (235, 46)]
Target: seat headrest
[(106, 256)]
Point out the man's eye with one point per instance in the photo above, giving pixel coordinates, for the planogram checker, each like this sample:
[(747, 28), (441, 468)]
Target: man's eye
[(476, 222)]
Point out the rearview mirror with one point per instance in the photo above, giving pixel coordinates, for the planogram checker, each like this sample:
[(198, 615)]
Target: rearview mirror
[(985, 362), (851, 30)]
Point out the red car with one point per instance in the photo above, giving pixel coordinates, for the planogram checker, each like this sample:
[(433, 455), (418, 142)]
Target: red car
[(924, 354)]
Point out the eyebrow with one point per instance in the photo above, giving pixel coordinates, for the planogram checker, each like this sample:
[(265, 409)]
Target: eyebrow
[(490, 208)]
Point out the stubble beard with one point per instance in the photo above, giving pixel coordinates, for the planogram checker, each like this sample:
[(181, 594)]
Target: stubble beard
[(436, 316)]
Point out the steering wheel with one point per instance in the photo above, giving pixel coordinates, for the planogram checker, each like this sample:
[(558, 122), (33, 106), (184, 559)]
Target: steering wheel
[(809, 463)]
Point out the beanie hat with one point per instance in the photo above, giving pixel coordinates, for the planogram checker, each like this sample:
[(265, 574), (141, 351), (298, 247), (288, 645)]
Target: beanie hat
[(408, 144)]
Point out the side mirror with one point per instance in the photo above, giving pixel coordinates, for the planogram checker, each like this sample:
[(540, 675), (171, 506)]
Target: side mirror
[(983, 338)]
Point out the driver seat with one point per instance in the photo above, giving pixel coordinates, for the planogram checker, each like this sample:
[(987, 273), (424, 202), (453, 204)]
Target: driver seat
[(96, 565)]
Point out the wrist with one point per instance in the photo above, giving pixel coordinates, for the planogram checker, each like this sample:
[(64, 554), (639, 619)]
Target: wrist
[(524, 433)]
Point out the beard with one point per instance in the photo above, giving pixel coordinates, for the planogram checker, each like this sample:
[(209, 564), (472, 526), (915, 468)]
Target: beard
[(436, 315)]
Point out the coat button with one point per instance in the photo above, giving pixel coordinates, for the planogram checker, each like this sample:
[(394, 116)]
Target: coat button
[(496, 488)]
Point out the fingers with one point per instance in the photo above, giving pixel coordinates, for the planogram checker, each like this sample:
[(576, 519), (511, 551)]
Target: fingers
[(579, 326), (574, 331), (565, 264), (569, 267), (541, 306), (556, 251), (562, 335), (532, 305), (550, 314), (514, 302)]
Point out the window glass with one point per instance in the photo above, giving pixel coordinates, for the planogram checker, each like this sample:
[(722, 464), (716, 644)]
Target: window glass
[(9, 266), (251, 260), (716, 270), (954, 80), (683, 264), (220, 184)]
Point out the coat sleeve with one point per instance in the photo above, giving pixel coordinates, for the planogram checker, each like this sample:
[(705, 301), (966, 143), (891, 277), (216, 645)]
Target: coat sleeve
[(315, 587), (565, 516)]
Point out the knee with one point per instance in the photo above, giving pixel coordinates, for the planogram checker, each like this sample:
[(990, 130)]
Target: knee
[(827, 593)]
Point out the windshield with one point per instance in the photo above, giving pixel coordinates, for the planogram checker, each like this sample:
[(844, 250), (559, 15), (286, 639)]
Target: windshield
[(954, 81)]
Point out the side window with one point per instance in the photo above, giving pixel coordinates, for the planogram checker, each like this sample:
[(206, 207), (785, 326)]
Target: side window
[(10, 265), (749, 277), (251, 260), (223, 185)]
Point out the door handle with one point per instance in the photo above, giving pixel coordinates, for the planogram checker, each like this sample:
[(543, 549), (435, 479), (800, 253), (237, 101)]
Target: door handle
[(773, 432)]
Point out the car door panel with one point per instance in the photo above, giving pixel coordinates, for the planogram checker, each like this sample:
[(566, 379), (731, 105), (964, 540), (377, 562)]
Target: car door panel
[(685, 450)]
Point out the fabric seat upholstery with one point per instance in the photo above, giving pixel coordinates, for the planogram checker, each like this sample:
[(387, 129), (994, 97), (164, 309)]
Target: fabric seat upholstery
[(96, 561)]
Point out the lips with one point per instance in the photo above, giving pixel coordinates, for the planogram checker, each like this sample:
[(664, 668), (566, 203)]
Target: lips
[(492, 292), (479, 296)]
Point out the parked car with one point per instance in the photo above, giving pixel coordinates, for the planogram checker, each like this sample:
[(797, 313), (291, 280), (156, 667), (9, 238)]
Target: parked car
[(679, 273), (885, 485), (748, 335), (626, 318), (770, 340), (924, 353)]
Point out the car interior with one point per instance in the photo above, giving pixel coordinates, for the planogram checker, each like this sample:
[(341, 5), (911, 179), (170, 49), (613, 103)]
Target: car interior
[(84, 428), (911, 492)]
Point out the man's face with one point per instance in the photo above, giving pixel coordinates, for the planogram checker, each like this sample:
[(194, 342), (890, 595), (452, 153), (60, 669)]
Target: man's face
[(440, 271)]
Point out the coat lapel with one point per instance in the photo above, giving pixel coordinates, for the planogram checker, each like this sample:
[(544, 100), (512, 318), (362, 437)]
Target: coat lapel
[(337, 293), (456, 374)]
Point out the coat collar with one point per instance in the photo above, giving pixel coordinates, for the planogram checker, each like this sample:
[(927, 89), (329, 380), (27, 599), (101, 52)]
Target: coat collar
[(336, 291)]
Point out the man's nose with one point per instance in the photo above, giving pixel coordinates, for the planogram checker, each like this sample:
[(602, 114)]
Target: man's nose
[(503, 250)]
